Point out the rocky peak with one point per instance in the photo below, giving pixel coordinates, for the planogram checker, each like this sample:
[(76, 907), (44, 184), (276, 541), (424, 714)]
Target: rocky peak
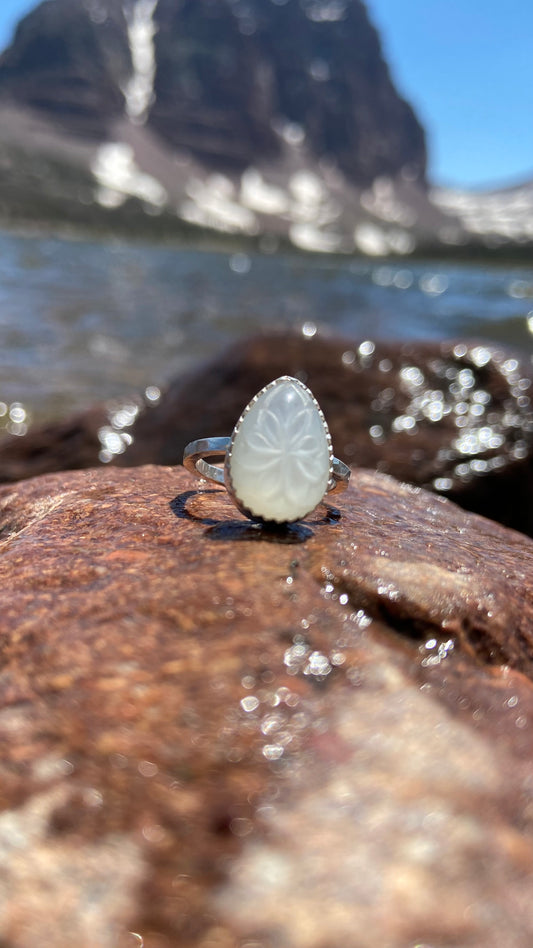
[(68, 60), (232, 83)]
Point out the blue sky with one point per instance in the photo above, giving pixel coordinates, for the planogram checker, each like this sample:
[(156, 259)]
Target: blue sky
[(466, 67), (10, 12)]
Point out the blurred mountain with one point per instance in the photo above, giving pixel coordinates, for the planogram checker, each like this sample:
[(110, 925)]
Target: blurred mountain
[(255, 117), (497, 215)]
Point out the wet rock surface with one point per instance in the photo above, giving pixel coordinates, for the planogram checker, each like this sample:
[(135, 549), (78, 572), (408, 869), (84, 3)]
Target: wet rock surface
[(219, 735), (455, 418)]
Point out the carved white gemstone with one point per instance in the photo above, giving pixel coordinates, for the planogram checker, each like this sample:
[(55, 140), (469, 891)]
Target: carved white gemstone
[(279, 462)]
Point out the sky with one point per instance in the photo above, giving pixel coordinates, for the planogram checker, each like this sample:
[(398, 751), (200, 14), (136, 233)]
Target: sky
[(464, 65), (466, 68), (10, 12)]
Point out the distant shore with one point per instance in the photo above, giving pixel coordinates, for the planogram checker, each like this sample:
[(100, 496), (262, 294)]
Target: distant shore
[(130, 223)]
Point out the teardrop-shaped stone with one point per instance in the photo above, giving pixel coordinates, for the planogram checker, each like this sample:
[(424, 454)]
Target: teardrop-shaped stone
[(280, 456)]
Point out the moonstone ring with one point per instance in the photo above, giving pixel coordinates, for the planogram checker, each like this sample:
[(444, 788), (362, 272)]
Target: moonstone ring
[(278, 463)]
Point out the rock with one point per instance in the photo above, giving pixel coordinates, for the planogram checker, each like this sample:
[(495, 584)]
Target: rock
[(224, 76), (452, 417), (81, 63), (229, 77), (57, 446), (215, 734)]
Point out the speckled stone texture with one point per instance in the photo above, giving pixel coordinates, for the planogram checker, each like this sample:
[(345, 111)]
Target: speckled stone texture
[(454, 417), (216, 736)]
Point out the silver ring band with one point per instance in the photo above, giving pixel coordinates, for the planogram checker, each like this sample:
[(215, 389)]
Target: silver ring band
[(196, 452)]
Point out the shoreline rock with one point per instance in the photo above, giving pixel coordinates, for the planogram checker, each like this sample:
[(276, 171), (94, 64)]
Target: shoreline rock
[(298, 738)]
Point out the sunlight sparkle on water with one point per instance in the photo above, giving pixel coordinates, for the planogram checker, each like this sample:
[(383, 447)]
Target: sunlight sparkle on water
[(14, 418)]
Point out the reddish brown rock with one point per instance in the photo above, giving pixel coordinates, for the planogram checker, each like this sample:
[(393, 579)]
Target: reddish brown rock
[(217, 735), (66, 445), (452, 417)]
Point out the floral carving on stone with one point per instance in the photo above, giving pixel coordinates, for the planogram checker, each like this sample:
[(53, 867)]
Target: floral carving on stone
[(279, 462)]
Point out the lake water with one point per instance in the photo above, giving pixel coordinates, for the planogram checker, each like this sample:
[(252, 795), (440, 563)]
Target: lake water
[(81, 321)]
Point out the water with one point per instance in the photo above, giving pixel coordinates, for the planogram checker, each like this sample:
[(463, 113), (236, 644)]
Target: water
[(81, 321)]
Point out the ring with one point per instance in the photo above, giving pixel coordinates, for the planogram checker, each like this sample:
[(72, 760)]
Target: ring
[(278, 463)]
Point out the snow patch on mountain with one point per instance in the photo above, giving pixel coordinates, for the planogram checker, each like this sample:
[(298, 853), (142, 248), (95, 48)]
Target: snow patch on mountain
[(141, 28), (507, 213), (118, 177)]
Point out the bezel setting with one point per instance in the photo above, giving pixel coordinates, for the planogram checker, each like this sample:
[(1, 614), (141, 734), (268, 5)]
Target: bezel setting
[(228, 479)]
